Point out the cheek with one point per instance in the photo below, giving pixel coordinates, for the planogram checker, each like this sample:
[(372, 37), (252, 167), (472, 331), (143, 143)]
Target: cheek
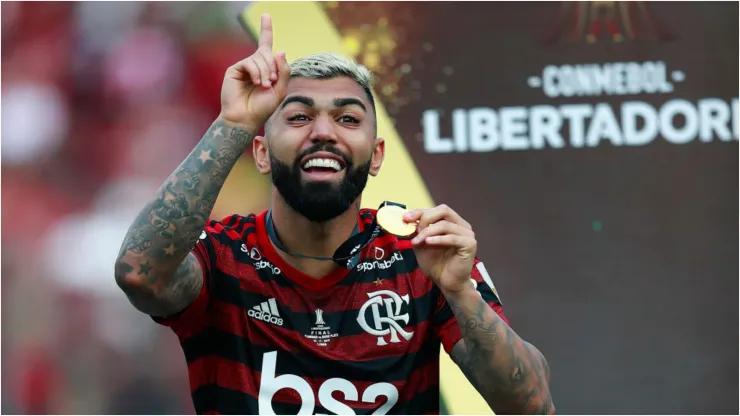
[(286, 144), (283, 156), (360, 146)]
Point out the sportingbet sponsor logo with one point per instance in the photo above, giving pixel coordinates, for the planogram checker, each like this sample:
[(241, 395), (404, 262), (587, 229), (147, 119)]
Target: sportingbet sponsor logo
[(380, 265), (257, 260), (267, 312), (262, 264), (271, 384)]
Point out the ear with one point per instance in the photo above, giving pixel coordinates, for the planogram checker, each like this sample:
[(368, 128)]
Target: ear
[(378, 155), (261, 154)]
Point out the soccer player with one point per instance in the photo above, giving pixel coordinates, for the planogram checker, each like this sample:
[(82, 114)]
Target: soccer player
[(309, 307)]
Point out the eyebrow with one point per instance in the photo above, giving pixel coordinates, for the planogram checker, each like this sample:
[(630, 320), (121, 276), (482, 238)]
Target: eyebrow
[(343, 102), (338, 102), (298, 99)]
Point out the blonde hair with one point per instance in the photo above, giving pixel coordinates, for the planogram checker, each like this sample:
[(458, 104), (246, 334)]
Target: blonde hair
[(327, 65)]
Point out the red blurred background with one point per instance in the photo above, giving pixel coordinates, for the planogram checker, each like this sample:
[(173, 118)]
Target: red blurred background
[(99, 101)]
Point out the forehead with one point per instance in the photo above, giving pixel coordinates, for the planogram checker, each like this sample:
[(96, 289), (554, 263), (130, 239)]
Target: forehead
[(326, 90)]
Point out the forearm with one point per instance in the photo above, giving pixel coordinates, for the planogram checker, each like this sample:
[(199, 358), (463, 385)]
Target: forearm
[(510, 374), (168, 227)]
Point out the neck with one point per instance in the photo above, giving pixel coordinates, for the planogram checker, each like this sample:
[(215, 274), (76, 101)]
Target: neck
[(302, 236)]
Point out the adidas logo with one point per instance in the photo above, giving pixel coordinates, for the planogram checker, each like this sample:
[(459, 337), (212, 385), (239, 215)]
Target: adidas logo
[(267, 312)]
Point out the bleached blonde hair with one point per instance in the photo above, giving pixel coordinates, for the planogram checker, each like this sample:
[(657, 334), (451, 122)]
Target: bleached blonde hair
[(327, 65)]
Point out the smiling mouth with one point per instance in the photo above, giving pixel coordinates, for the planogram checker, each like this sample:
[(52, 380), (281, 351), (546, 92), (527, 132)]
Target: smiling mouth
[(322, 165)]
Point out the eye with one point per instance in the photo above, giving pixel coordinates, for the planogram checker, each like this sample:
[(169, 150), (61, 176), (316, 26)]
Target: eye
[(349, 119), (298, 117)]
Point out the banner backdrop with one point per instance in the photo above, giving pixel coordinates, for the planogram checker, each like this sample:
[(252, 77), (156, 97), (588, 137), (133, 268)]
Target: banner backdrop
[(594, 148)]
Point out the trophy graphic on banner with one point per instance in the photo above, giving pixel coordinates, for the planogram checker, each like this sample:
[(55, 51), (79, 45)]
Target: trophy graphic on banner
[(593, 21)]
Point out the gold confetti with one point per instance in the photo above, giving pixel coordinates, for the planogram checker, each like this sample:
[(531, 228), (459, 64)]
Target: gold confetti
[(372, 34), (371, 60), (389, 89), (352, 45)]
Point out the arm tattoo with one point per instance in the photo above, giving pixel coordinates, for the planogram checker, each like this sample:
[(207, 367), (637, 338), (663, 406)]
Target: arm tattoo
[(150, 263), (183, 288), (240, 137), (510, 374)]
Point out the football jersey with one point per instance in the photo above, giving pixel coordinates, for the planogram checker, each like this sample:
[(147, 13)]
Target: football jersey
[(264, 338)]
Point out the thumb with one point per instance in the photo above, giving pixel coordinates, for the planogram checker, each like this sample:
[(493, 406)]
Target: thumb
[(283, 73), (414, 215)]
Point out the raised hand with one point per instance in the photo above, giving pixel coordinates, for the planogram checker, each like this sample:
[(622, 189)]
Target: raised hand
[(254, 87)]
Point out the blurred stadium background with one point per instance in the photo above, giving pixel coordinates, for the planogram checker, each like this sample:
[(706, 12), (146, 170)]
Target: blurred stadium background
[(619, 262)]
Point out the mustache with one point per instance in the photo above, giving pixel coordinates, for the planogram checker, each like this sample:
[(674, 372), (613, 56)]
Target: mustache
[(323, 147)]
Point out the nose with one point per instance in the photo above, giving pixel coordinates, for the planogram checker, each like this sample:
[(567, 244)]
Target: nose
[(323, 130)]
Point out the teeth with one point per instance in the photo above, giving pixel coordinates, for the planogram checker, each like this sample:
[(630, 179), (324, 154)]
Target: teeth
[(323, 163)]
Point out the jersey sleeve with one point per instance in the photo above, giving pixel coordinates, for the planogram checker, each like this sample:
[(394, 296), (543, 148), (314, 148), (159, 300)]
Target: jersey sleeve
[(445, 324), (206, 249)]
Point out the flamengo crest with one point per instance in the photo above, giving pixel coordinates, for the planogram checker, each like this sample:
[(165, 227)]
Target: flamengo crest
[(385, 322)]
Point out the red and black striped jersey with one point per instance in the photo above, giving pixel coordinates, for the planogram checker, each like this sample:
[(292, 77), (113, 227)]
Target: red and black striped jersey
[(263, 337)]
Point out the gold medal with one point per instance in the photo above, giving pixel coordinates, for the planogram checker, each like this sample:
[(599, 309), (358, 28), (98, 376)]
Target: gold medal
[(390, 218)]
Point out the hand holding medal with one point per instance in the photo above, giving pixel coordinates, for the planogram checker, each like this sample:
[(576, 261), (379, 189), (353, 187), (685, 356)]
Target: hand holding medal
[(444, 245)]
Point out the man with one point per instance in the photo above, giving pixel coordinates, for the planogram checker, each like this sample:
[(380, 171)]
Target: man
[(307, 308)]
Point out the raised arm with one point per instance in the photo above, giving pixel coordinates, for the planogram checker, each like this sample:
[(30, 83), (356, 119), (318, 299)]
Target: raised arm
[(155, 267)]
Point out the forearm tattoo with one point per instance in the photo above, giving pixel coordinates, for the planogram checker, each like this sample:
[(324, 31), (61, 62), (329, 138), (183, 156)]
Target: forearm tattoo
[(510, 374), (168, 227)]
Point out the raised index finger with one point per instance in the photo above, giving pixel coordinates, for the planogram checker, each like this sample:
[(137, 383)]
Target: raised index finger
[(265, 32)]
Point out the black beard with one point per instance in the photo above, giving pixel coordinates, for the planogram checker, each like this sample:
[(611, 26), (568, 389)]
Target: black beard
[(319, 201)]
